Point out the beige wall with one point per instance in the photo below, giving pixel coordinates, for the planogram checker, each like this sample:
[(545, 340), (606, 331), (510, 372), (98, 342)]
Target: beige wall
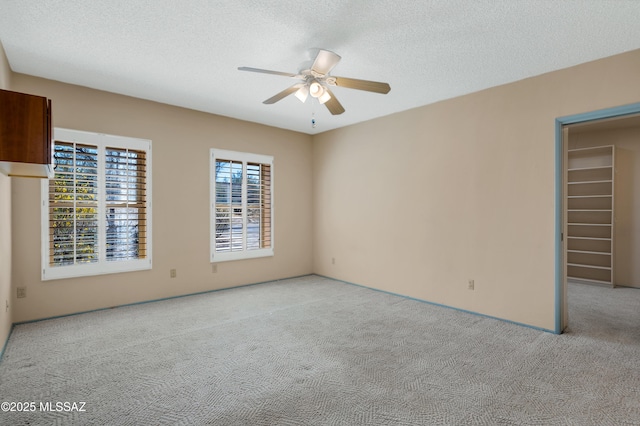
[(5, 229), (420, 202), (627, 196), (181, 142)]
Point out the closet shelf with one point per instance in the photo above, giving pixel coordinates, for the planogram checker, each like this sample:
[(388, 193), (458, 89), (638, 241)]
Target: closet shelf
[(604, 253), (588, 238), (591, 196), (584, 265), (589, 224), (577, 169), (592, 148), (590, 182)]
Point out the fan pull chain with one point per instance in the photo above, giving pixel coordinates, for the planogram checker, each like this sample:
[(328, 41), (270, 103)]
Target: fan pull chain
[(314, 123)]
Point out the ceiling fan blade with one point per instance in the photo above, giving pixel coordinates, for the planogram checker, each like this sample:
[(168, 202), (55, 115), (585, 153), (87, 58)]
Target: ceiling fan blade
[(369, 86), (285, 74), (325, 61), (286, 92), (334, 107)]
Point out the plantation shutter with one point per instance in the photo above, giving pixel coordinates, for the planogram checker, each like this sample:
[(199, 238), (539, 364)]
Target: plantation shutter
[(73, 205), (258, 206), (229, 211), (126, 208)]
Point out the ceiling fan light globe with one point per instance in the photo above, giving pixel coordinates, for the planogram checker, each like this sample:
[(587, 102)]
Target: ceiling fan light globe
[(302, 93), (316, 90), (324, 97)]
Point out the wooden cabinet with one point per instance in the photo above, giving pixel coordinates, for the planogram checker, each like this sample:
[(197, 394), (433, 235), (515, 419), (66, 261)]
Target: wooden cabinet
[(25, 135), (590, 215)]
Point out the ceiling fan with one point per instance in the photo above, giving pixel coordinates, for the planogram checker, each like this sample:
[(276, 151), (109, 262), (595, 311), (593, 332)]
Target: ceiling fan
[(316, 82)]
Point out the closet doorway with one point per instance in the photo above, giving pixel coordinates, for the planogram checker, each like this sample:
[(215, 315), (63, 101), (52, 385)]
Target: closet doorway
[(598, 183)]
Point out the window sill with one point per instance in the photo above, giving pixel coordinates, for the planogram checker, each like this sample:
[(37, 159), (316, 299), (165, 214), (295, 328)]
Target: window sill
[(241, 255), (87, 270)]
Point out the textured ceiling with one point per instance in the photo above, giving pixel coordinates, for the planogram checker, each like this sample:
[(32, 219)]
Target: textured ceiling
[(187, 52)]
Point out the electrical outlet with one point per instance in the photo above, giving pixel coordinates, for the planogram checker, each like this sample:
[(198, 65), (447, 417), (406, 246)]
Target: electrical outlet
[(333, 260), (172, 273), (471, 285), (21, 292), (214, 268)]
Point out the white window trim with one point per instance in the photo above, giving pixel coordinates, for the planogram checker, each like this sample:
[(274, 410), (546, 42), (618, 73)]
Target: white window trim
[(102, 266), (244, 157)]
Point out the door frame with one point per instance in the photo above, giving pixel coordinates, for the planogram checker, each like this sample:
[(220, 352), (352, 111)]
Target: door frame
[(561, 321)]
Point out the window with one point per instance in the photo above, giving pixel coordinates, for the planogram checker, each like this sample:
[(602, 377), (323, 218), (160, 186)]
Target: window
[(96, 210), (241, 205)]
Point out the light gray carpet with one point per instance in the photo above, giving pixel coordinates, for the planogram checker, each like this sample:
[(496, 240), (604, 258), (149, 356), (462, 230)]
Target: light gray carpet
[(313, 351)]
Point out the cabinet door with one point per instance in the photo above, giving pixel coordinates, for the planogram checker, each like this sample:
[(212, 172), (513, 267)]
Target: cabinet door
[(25, 128)]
